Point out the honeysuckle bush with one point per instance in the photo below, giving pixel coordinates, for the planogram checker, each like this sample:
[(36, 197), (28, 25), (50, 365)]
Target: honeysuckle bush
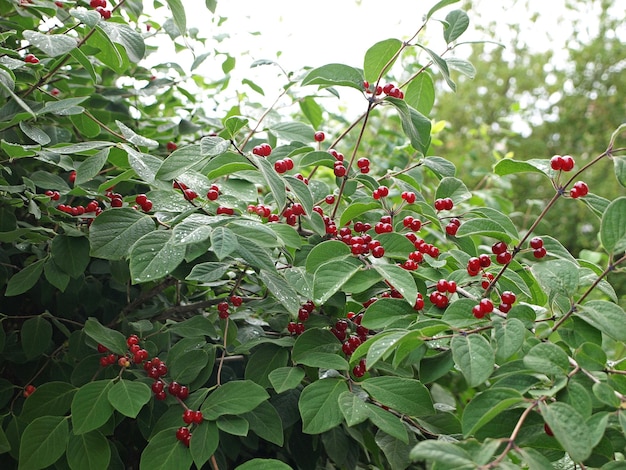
[(253, 288)]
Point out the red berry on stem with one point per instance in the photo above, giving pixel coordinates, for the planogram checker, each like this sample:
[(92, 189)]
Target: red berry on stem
[(319, 136), (498, 247), (539, 252), (536, 242)]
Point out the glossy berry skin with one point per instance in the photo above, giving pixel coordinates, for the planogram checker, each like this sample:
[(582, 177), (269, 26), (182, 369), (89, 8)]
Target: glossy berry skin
[(540, 252), (580, 189), (189, 416), (536, 242), (508, 297), (498, 248), (31, 59), (319, 136), (171, 146)]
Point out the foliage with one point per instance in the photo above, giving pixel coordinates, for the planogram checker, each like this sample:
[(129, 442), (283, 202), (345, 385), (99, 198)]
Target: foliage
[(227, 289)]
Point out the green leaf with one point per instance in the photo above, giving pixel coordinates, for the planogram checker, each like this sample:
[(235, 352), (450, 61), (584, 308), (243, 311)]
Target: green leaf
[(293, 131), (208, 272), (91, 407), (178, 12), (508, 166), (24, 279), (52, 44), (441, 65), (619, 165), (266, 358), (415, 125), (329, 250), (438, 6), (285, 378), (312, 111), (233, 398), (223, 242), (463, 66), (474, 356), (71, 254), (335, 75), (50, 399), (35, 133), (353, 408), (90, 167), (265, 422), (486, 406), (385, 312), (179, 161), (329, 278), (420, 93), (227, 164), (184, 368), (43, 442), (319, 405), (113, 340), (569, 428), (36, 335), (605, 316), (387, 422), (145, 165), (233, 124), (590, 356), (129, 396), (154, 256), (557, 276), (509, 335), (534, 459), (453, 188), (606, 394), (408, 396), (613, 227), (83, 60), (400, 279), (194, 229), (318, 347), (90, 451), (114, 232), (251, 253), (273, 179), (396, 451), (205, 440), (383, 344), (547, 358), (165, 452), (128, 38), (458, 21), (235, 425), (213, 146), (263, 464), (378, 59), (448, 454)]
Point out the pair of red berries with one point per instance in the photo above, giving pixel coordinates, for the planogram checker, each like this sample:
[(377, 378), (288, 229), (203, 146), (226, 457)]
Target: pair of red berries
[(364, 165), (263, 150), (444, 204), (562, 163), (536, 243), (283, 165), (144, 202), (380, 192)]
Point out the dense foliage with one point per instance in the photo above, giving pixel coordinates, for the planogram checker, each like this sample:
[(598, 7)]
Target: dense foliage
[(252, 288)]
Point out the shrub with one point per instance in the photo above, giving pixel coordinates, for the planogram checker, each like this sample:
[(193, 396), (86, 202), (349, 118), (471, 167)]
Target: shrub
[(234, 291)]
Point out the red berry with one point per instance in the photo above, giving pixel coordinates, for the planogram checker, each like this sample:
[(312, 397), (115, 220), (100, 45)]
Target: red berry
[(508, 297), (547, 429), (236, 300), (174, 388), (141, 199), (171, 146), (536, 242), (539, 252), (451, 229), (485, 260), (568, 163), (117, 202), (182, 433), (486, 306), (189, 416), (340, 171), (102, 349), (31, 59), (556, 162), (477, 312), (504, 258), (378, 252), (157, 386), (473, 265), (183, 392), (504, 308), (580, 189), (498, 247), (104, 13), (198, 418), (319, 136), (28, 390), (280, 166), (132, 339)]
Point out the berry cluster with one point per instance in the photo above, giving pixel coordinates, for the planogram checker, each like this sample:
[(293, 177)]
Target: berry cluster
[(476, 263), (223, 308), (29, 390), (364, 165), (500, 249), (389, 89), (144, 202), (453, 226), (292, 212), (283, 165), (408, 197), (562, 163), (188, 194), (213, 193), (101, 7), (484, 307), (580, 189), (380, 192), (507, 299), (439, 297), (263, 150), (304, 312), (536, 243), (444, 204)]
